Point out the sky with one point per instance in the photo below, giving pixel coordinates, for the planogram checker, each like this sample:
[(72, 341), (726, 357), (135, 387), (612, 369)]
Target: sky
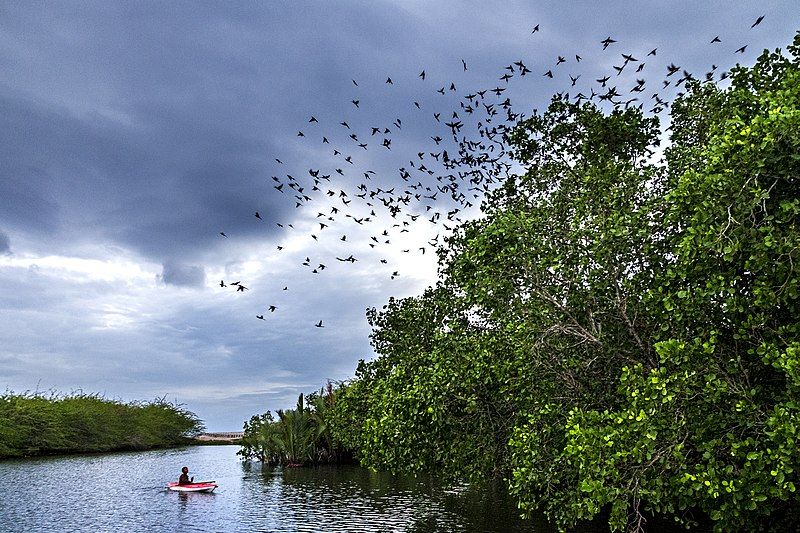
[(135, 134)]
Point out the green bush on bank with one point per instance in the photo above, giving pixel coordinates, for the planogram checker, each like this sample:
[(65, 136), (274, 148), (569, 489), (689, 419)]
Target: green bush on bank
[(300, 436), (39, 424)]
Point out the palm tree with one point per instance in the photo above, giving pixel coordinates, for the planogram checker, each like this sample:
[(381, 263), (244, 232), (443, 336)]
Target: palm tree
[(297, 433)]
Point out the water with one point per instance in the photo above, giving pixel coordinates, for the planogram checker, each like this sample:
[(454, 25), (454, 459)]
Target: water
[(125, 492)]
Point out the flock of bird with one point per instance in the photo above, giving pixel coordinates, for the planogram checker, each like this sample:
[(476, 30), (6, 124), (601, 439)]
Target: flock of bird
[(442, 184)]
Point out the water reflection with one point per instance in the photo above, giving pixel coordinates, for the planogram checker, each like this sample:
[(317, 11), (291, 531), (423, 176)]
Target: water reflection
[(127, 492), (355, 499)]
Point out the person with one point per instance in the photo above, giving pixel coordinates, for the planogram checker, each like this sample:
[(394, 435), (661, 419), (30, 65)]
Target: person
[(184, 479)]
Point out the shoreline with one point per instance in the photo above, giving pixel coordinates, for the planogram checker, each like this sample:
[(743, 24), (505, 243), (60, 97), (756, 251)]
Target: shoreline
[(121, 450)]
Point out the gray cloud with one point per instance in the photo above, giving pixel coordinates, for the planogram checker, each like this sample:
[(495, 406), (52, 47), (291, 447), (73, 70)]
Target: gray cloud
[(183, 275), (5, 244)]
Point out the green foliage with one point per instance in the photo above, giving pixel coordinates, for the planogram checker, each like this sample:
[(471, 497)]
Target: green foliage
[(508, 326), (300, 436), (35, 424), (714, 425), (617, 333)]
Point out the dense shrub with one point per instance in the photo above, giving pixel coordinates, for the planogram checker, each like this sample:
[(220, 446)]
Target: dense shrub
[(39, 424)]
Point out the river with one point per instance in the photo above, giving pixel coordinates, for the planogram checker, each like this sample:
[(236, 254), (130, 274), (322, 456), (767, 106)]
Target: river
[(125, 492)]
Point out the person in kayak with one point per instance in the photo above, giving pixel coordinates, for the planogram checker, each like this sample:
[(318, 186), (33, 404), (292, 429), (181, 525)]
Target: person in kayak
[(184, 479)]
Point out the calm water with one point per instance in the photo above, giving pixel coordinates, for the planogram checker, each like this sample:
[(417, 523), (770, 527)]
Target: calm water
[(125, 492)]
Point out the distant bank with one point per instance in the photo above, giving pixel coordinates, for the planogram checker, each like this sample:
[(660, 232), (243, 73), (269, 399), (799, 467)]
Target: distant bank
[(229, 437)]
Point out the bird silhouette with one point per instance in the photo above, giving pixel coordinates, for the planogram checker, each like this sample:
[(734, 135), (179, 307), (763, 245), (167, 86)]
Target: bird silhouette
[(607, 42), (757, 22)]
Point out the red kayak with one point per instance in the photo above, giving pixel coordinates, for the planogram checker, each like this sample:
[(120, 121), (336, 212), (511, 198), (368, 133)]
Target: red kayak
[(203, 486)]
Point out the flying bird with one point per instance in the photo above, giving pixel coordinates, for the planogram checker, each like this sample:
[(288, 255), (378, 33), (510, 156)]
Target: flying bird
[(757, 22), (606, 42), (319, 324), (535, 29)]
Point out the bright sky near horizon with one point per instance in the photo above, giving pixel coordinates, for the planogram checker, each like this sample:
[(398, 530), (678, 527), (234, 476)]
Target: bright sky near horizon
[(135, 132)]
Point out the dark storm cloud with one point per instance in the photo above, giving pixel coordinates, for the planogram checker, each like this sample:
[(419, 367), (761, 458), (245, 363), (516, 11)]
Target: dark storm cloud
[(157, 128), (183, 275)]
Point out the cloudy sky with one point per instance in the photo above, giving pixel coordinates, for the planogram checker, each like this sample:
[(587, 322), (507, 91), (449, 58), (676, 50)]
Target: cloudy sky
[(134, 133)]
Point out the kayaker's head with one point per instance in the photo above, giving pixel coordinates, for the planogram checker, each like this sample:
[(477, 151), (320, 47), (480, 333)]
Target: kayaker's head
[(185, 469)]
